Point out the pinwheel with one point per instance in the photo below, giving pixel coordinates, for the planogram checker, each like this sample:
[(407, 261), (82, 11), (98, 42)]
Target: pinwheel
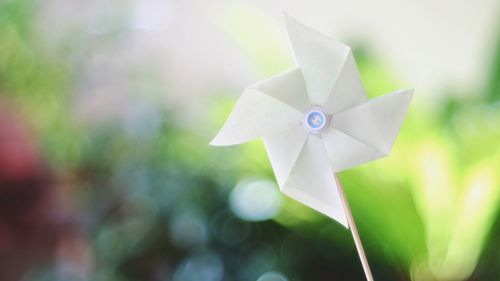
[(316, 121)]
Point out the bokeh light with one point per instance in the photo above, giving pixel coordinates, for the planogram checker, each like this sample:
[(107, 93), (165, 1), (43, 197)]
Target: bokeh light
[(272, 276), (255, 200)]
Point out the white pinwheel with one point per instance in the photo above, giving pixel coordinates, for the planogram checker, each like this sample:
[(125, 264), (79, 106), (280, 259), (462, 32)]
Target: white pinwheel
[(316, 120)]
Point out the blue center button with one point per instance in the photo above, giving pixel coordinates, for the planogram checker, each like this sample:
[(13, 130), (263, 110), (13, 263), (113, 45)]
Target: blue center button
[(316, 119)]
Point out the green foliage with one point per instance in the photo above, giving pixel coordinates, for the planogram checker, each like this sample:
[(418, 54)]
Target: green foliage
[(493, 93)]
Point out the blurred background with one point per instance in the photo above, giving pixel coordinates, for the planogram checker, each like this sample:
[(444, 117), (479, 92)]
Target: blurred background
[(107, 109)]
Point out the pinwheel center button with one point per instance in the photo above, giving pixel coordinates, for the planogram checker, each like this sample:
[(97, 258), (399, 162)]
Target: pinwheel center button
[(316, 120)]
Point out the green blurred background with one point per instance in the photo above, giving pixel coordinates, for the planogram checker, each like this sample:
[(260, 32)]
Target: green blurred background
[(107, 108)]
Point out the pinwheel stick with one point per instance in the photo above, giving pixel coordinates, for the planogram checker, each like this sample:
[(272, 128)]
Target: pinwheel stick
[(354, 231)]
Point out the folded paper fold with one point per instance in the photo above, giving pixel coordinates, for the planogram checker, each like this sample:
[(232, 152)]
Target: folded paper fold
[(320, 57), (376, 122), (312, 181), (256, 115), (283, 150), (348, 90), (345, 152), (288, 87)]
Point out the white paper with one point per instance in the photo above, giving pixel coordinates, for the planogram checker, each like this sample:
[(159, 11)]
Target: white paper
[(304, 162), (256, 115), (348, 90), (376, 122), (320, 57), (287, 87), (283, 149), (346, 152), (312, 181)]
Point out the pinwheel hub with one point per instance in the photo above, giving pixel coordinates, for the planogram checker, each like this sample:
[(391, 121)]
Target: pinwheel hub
[(316, 119)]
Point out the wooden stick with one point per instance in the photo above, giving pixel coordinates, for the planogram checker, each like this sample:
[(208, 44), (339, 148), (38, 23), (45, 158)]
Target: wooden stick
[(354, 231)]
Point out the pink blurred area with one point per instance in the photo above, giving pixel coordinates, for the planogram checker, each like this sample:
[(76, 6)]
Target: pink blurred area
[(35, 224)]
